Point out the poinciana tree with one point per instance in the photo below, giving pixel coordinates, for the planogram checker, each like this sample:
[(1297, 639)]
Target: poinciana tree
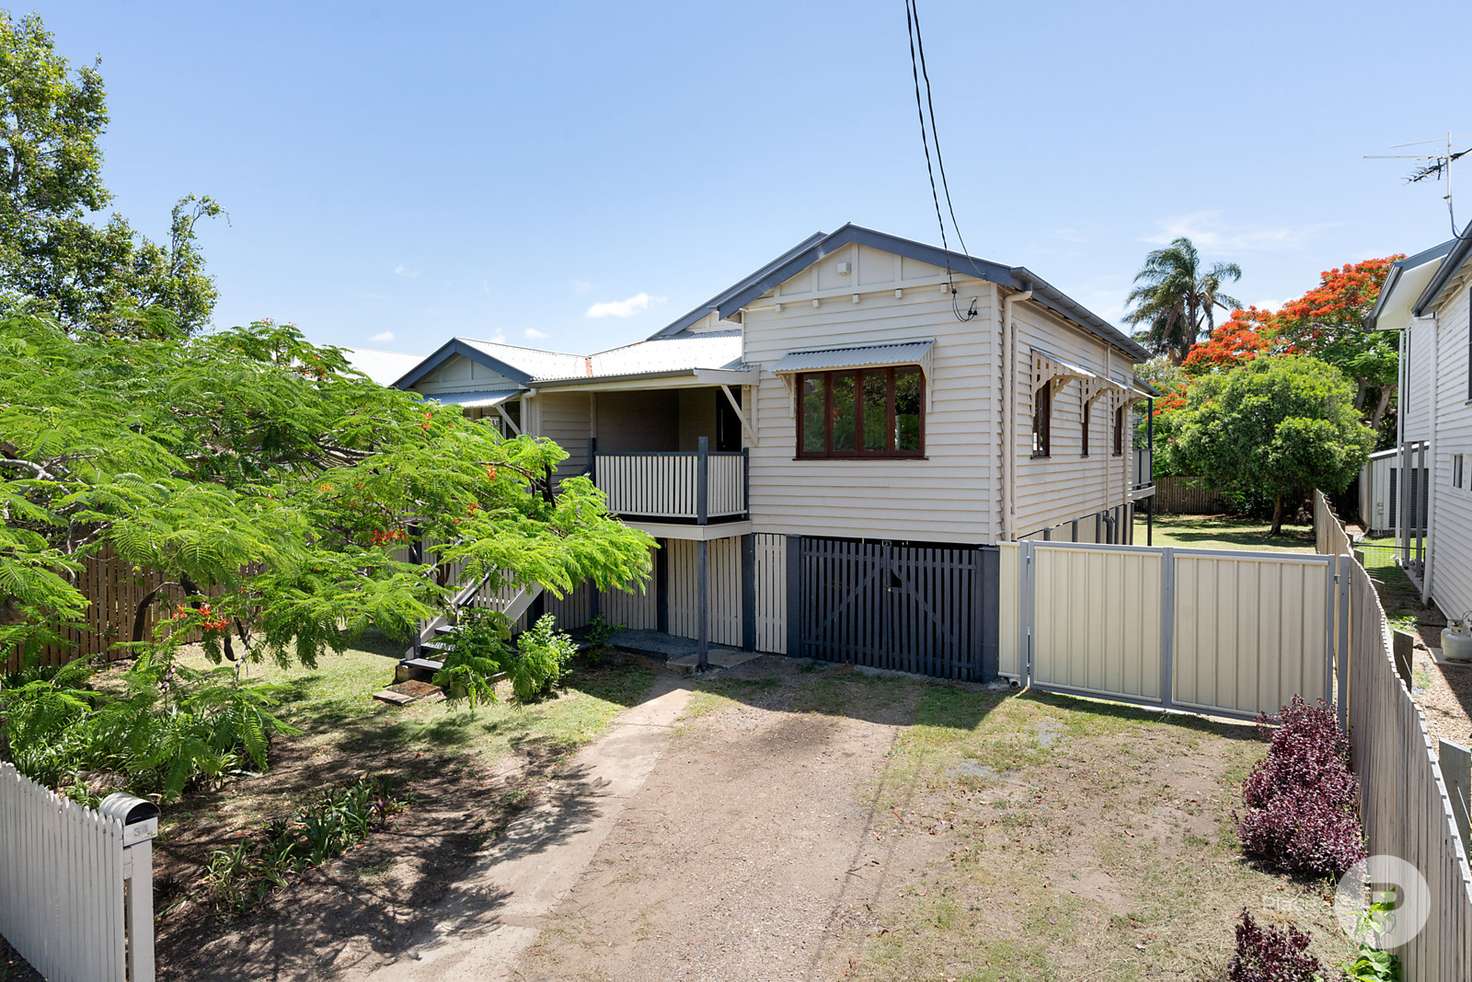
[(1328, 323), (1246, 335), (273, 488)]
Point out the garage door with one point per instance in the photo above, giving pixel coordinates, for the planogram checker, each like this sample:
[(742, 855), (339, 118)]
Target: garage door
[(926, 609)]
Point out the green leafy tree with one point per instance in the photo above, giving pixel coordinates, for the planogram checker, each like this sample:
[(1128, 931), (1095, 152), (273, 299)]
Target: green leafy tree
[(1275, 426), (58, 256), (262, 475), (1175, 298), (276, 490)]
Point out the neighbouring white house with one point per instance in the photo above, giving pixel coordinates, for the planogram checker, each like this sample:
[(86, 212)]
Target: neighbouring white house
[(1426, 298), (829, 450)]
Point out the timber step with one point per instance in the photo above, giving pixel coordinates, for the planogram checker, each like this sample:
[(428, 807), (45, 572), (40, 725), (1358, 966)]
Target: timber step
[(409, 692), (417, 669)]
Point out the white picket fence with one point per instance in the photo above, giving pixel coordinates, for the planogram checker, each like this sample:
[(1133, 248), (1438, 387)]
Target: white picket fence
[(76, 884)]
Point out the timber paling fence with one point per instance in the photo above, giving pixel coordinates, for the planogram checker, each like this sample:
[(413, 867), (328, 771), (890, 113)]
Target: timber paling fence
[(113, 592), (1176, 495), (1404, 802), (76, 883)]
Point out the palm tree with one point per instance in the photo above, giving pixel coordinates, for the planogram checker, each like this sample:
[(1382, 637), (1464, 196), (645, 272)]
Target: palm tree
[(1173, 296)]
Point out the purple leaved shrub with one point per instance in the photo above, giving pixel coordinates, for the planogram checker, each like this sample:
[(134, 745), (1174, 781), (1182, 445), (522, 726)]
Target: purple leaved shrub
[(1302, 799), (1266, 954)]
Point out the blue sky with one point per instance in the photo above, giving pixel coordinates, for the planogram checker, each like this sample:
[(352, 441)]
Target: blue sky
[(497, 170)]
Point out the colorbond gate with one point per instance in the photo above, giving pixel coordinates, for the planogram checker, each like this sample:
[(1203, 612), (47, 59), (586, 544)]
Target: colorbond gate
[(930, 610), (1227, 633)]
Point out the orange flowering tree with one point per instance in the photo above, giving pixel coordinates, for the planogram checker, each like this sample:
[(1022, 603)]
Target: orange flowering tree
[(1327, 322), (1248, 334)]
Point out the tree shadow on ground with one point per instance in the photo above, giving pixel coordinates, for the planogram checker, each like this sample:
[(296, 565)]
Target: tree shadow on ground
[(403, 887)]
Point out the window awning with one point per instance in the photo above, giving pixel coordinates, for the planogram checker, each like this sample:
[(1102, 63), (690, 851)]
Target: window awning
[(917, 352), (485, 399), (1047, 367), (862, 356)]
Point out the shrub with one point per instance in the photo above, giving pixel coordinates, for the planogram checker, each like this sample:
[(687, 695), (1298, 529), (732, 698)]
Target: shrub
[(1303, 832), (1307, 750), (476, 655), (541, 659), (169, 728), (1302, 800), (1267, 954)]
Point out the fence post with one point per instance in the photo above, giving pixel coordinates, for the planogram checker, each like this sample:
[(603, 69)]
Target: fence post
[(1346, 570), (139, 820), (1027, 567), (1456, 771), (1167, 625)]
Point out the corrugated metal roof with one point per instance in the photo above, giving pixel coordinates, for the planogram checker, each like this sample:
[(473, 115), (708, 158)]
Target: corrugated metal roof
[(533, 361), (861, 356), (717, 349)]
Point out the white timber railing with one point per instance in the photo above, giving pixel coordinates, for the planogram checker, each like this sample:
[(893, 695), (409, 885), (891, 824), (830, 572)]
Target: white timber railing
[(76, 883), (1405, 803), (680, 486)]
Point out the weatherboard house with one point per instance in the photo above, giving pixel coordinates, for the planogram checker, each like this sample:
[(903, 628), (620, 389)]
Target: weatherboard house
[(829, 450), (1427, 297)]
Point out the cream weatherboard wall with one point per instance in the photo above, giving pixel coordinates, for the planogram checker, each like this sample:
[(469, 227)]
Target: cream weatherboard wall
[(1066, 485), (951, 495), (1451, 511), (566, 419), (460, 374), (1418, 348)]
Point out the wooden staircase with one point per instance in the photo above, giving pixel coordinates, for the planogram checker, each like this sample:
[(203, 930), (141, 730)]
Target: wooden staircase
[(422, 661)]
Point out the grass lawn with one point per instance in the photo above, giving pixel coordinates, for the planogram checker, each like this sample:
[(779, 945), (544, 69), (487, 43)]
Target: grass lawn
[(1224, 532), (1084, 840)]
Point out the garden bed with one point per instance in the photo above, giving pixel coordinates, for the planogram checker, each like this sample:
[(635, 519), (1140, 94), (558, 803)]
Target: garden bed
[(461, 773)]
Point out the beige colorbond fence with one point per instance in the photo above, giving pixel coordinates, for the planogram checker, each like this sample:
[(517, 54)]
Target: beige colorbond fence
[(1228, 633), (76, 883), (1404, 803)]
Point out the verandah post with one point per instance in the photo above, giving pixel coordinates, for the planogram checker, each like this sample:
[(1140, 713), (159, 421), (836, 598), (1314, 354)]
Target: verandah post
[(702, 480), (748, 592), (702, 606)]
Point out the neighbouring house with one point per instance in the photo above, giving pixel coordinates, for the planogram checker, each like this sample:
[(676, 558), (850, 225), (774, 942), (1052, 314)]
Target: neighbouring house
[(829, 450), (1426, 298)]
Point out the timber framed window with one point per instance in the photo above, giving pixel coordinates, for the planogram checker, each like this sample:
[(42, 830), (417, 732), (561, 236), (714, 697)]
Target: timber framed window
[(1042, 420), (862, 414), (1088, 418), (1119, 413)]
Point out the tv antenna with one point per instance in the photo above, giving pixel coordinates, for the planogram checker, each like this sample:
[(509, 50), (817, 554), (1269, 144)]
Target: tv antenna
[(1436, 165)]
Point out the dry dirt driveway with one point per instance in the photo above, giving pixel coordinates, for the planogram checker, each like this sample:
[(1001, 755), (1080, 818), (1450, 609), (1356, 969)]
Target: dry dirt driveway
[(752, 841)]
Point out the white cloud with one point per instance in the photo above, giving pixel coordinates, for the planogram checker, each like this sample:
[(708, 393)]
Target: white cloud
[(627, 307), (532, 334), (407, 272), (383, 336), (1208, 231), (1267, 304)]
